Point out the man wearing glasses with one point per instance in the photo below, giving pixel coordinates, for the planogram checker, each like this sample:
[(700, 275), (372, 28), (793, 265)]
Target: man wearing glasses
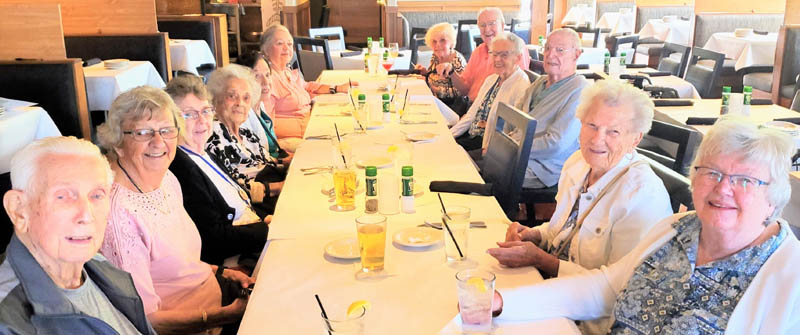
[(490, 22), (552, 100)]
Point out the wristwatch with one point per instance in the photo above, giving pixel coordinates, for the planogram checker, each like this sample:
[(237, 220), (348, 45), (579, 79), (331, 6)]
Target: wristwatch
[(332, 90)]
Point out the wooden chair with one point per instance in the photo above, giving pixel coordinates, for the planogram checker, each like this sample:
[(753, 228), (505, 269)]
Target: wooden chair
[(704, 78)]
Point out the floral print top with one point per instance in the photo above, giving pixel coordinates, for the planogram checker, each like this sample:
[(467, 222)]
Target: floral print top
[(669, 294), (442, 87), (477, 128), (241, 161)]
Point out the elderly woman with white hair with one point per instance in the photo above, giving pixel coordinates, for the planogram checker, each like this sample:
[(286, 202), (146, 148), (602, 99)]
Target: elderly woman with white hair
[(235, 146), (728, 267), (149, 233), (507, 84), (441, 37)]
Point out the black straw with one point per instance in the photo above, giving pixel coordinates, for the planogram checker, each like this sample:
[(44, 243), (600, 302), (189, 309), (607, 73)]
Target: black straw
[(340, 144), (324, 315), (406, 101), (444, 222)]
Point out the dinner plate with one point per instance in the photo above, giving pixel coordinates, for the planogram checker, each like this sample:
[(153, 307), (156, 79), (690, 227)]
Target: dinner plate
[(783, 126), (116, 63), (375, 125), (343, 248), (421, 136), (379, 162), (417, 237)]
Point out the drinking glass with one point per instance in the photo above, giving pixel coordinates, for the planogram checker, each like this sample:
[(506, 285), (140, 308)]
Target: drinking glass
[(371, 242), (340, 324), (344, 185), (394, 49), (457, 220), (475, 293)]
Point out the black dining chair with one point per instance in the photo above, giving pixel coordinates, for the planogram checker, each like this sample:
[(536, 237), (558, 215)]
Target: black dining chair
[(678, 186), (684, 138), (521, 28), (416, 41), (704, 77), (677, 67), (464, 38), (308, 60), (613, 43)]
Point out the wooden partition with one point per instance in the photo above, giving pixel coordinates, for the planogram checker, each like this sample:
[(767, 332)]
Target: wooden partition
[(297, 18), (219, 21), (792, 12), (34, 31), (103, 17)]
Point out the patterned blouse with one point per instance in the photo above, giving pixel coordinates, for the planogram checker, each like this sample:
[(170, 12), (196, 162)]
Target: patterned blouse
[(483, 112), (443, 87), (242, 161), (669, 294)]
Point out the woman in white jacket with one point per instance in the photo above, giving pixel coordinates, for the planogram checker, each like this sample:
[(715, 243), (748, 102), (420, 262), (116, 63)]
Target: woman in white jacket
[(730, 267), (507, 84)]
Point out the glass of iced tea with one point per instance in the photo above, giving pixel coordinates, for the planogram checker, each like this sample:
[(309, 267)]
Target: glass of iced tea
[(344, 185), (371, 242)]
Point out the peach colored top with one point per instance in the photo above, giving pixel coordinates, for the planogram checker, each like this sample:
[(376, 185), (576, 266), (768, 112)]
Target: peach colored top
[(289, 102), (151, 236)]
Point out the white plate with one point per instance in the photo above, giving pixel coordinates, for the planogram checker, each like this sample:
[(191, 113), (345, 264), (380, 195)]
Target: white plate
[(417, 237), (783, 126), (375, 125), (421, 136), (343, 248), (116, 63), (379, 162)]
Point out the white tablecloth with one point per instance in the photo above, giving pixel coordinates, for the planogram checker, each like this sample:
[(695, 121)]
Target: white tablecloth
[(589, 55), (751, 50), (20, 126), (418, 296), (104, 85), (187, 55), (579, 15), (618, 22), (675, 31), (357, 62)]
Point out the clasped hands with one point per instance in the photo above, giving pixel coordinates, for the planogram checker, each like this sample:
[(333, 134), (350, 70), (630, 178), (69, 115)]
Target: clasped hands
[(520, 247)]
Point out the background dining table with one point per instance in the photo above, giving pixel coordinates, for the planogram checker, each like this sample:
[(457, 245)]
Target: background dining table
[(417, 292), (188, 55), (667, 30), (753, 49), (103, 85), (21, 123)]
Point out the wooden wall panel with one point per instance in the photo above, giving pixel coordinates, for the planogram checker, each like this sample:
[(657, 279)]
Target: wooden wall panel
[(360, 18), (739, 6), (104, 17), (664, 3), (297, 18), (177, 7), (33, 31), (792, 12)]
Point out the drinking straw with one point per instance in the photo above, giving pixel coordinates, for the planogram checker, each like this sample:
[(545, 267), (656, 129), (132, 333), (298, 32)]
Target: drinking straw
[(352, 101), (340, 141), (406, 100), (324, 315), (349, 83), (396, 79), (444, 222)]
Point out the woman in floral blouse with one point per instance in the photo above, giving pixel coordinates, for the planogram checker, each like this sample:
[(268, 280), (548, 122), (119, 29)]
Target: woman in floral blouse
[(442, 39), (729, 267), (234, 146)]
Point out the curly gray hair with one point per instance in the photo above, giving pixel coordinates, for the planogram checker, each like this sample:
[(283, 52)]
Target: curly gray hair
[(516, 42), (137, 104), (218, 82), (614, 93)]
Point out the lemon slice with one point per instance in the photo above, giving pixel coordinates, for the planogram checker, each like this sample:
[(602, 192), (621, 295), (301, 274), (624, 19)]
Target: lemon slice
[(355, 308), (478, 283)]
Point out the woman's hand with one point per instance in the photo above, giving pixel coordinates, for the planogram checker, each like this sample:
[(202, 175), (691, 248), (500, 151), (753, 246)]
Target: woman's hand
[(343, 88), (422, 70), (257, 191), (444, 69), (514, 232), (268, 219), (515, 254), (235, 310), (238, 277), (275, 188)]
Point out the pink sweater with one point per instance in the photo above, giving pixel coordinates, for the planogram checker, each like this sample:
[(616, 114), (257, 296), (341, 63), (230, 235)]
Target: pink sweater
[(151, 236), (289, 102)]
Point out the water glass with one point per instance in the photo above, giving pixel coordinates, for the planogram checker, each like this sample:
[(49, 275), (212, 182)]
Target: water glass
[(344, 325), (475, 294), (457, 219)]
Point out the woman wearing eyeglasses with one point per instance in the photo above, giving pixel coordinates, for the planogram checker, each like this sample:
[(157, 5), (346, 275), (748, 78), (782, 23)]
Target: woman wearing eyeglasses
[(729, 267), (149, 233), (221, 209), (233, 144)]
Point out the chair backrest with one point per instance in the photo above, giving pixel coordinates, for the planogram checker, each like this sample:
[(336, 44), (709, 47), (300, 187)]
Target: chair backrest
[(58, 86), (144, 47), (417, 40), (646, 13), (787, 62), (464, 42), (190, 30), (537, 66), (6, 229), (309, 61), (506, 158), (327, 33), (677, 185), (796, 101), (704, 78), (686, 139), (668, 64), (324, 15), (706, 24), (522, 28), (613, 42), (532, 76), (612, 6)]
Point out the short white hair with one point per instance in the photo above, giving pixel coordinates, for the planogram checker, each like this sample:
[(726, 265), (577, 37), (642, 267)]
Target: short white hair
[(517, 44), (218, 82), (614, 93), (26, 163), (495, 10), (732, 136), (574, 39), (443, 28)]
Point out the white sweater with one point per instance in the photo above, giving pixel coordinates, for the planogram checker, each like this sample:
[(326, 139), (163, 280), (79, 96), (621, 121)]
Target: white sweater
[(770, 305)]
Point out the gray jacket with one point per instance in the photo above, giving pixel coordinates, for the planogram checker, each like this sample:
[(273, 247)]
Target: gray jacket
[(30, 303)]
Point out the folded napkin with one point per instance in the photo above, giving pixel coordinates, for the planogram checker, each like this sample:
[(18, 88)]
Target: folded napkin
[(350, 54), (592, 76), (701, 121), (795, 120), (760, 102), (636, 66), (760, 32), (583, 66), (657, 73), (460, 187), (404, 72), (672, 102), (91, 61)]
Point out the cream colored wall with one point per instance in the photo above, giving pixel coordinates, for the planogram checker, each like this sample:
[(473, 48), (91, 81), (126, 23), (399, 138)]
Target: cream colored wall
[(740, 6)]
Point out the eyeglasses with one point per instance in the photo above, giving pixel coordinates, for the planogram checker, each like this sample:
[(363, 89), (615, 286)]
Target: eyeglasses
[(501, 54), (234, 96), (559, 51), (144, 135), (488, 24), (191, 114), (739, 182)]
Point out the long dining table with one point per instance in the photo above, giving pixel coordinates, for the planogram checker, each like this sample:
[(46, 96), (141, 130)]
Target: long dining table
[(416, 293)]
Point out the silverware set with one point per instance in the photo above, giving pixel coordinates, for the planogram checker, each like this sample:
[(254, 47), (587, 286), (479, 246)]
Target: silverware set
[(438, 225), (316, 170)]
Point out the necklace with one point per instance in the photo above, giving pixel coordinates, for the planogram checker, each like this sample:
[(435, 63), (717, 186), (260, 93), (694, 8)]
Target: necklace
[(129, 177), (161, 207)]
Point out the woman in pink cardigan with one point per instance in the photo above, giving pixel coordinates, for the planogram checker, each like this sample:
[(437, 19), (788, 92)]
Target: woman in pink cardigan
[(289, 100)]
